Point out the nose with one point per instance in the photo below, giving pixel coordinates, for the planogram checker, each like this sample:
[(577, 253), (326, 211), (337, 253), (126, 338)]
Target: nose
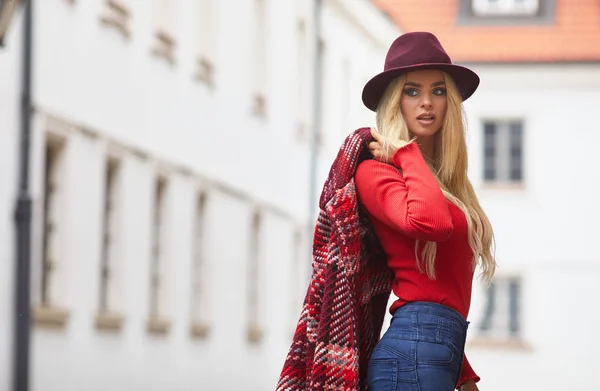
[(426, 101)]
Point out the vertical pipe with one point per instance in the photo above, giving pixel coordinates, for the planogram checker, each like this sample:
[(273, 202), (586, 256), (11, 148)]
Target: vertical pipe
[(22, 315), (316, 128)]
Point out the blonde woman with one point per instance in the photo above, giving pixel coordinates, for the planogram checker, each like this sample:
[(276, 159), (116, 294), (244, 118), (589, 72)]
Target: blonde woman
[(426, 216)]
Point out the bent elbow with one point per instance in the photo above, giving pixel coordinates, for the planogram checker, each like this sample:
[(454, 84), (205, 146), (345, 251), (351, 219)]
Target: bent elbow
[(436, 231), (443, 233)]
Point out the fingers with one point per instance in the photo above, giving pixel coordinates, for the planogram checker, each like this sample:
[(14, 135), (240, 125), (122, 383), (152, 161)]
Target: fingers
[(375, 134), (375, 149), (379, 156)]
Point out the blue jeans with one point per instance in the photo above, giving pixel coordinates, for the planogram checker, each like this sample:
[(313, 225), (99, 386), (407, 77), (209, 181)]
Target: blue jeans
[(422, 350)]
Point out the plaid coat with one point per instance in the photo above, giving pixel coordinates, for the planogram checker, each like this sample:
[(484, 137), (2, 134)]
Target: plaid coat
[(349, 289)]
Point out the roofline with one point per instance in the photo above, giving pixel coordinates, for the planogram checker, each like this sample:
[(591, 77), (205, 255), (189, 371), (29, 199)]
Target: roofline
[(529, 63), (371, 20)]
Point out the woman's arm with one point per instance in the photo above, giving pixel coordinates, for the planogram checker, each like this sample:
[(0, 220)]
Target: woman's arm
[(468, 378), (410, 202), (469, 385)]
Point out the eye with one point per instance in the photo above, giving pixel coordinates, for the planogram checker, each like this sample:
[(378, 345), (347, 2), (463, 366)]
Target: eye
[(439, 91), (411, 92)]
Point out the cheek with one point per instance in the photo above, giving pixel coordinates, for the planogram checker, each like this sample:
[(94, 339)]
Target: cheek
[(441, 108), (403, 105), (407, 107), (443, 105)]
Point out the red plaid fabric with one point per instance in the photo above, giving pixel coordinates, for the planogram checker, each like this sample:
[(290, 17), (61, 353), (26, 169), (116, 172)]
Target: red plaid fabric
[(349, 289)]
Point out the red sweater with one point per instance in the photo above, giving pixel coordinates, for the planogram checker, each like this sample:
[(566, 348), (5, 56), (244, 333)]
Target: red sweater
[(407, 206)]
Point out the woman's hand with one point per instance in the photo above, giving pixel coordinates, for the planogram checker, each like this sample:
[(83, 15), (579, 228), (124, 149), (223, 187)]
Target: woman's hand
[(375, 147), (469, 385)]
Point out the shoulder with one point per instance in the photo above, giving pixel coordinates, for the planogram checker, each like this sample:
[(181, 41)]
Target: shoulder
[(372, 174), (372, 170), (369, 165)]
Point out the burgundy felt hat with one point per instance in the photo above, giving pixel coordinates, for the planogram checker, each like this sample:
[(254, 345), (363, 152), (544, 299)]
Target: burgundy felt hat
[(413, 51)]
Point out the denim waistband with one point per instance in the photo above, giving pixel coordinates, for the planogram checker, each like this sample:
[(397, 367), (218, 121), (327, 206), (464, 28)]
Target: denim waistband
[(429, 322), (433, 309)]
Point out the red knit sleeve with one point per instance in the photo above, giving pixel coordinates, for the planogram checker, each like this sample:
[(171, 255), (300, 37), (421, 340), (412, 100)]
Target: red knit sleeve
[(467, 373), (410, 202)]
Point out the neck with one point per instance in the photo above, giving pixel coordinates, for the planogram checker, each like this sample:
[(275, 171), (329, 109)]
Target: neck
[(427, 147)]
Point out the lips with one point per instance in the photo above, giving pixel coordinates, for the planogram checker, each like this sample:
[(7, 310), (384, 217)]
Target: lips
[(426, 118)]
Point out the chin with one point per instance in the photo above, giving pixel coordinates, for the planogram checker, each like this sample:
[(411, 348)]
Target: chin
[(424, 132)]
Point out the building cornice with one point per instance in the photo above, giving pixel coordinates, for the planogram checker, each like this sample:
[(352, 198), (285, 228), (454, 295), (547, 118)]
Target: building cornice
[(369, 19)]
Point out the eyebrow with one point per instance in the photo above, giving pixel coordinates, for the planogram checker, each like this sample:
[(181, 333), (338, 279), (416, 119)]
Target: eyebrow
[(413, 84)]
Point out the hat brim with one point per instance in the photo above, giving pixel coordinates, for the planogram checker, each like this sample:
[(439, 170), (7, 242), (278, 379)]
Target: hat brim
[(465, 79)]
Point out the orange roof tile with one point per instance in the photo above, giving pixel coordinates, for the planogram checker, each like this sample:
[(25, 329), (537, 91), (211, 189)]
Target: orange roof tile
[(574, 35)]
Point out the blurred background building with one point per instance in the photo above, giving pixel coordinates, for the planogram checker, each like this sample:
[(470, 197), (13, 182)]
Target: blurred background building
[(531, 150), (170, 175), (178, 147)]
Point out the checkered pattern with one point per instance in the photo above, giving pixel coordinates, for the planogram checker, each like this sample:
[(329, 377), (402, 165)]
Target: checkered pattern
[(348, 292)]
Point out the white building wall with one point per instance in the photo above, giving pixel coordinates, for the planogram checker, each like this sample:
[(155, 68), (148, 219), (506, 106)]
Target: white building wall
[(102, 92), (545, 231), (94, 80), (347, 67), (10, 81)]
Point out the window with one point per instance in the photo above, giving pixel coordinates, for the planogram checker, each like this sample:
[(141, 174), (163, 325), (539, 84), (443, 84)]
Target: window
[(207, 41), (157, 323), (108, 318), (299, 280), (323, 80), (53, 195), (49, 313), (302, 79), (505, 7), (200, 326), (259, 60), (503, 151), (506, 13), (346, 93), (7, 8), (502, 312), (117, 15), (164, 21), (254, 298)]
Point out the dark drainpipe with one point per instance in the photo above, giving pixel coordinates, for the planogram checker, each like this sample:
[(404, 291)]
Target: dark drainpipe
[(316, 128), (22, 314)]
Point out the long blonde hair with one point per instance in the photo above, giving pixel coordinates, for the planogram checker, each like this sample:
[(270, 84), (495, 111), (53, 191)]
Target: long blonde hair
[(449, 166)]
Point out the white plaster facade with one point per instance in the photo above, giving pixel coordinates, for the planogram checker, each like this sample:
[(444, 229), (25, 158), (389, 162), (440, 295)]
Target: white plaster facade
[(546, 230), (103, 93)]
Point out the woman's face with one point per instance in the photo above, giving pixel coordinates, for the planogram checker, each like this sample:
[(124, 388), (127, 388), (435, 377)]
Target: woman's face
[(423, 102)]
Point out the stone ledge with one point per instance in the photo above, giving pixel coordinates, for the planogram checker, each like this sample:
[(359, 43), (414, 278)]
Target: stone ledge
[(109, 321), (158, 326), (499, 344), (116, 16), (259, 105), (205, 71), (49, 317), (255, 334), (164, 46), (199, 330)]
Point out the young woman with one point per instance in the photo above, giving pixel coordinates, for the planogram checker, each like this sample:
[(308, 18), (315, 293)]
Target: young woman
[(426, 216)]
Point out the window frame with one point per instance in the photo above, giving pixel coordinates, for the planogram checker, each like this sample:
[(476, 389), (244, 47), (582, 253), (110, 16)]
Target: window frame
[(259, 57), (109, 275), (505, 7), (502, 315), (254, 307), (501, 140), (7, 11), (158, 322), (200, 326), (545, 15)]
